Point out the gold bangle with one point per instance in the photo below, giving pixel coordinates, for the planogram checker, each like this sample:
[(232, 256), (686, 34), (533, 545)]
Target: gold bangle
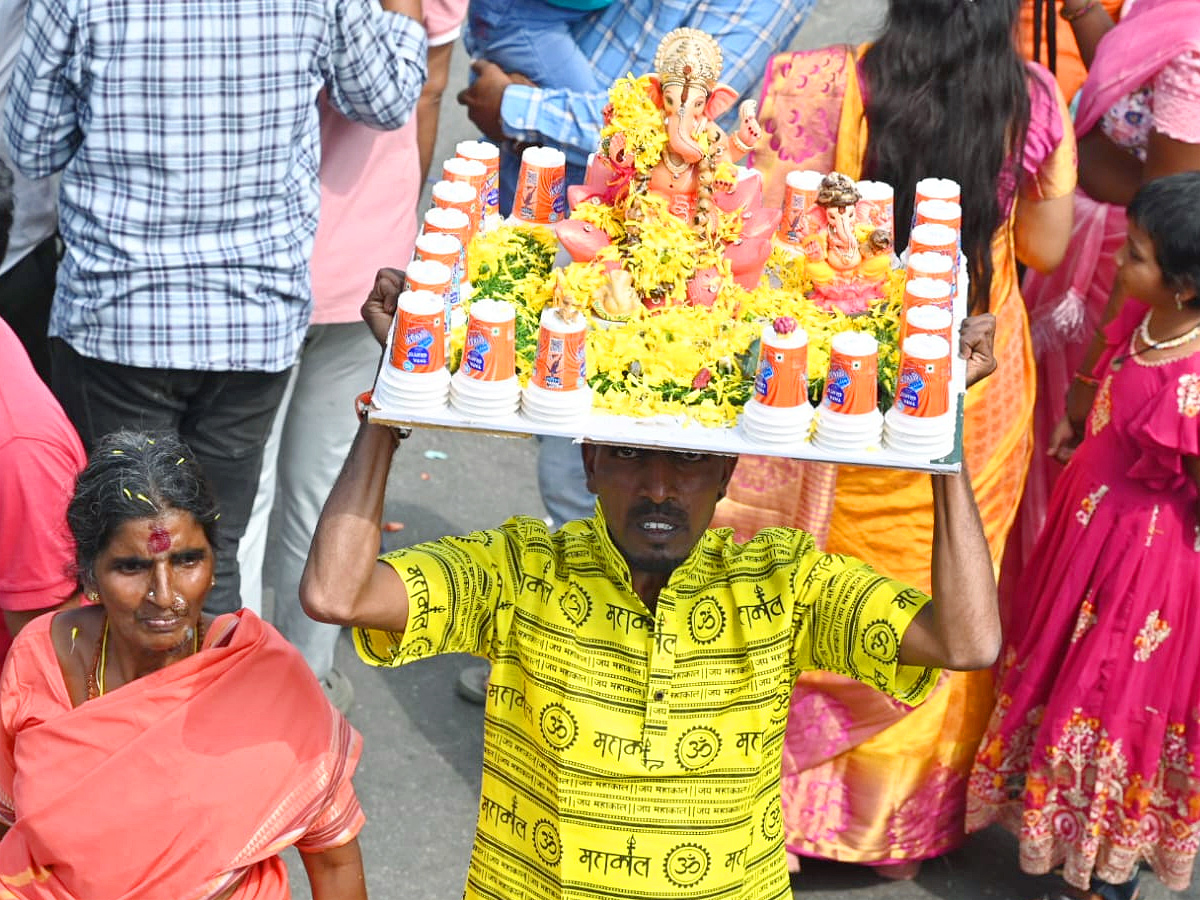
[(1072, 15), (1087, 380)]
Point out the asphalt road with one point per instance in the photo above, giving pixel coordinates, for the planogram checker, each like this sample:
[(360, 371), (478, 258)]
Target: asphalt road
[(420, 774)]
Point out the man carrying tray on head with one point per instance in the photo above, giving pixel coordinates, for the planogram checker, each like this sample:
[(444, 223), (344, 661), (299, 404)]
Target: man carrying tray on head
[(642, 663)]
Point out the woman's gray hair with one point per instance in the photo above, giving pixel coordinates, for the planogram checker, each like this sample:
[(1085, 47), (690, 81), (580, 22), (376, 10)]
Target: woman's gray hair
[(134, 475)]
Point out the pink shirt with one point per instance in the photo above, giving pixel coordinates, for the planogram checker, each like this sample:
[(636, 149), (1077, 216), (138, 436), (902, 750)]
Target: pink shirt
[(40, 455), (370, 188)]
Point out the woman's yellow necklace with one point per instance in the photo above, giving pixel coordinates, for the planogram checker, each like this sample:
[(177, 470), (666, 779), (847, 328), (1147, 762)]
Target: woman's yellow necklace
[(95, 678)]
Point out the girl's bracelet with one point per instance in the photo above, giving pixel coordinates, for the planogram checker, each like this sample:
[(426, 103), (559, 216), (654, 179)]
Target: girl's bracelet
[(1087, 380)]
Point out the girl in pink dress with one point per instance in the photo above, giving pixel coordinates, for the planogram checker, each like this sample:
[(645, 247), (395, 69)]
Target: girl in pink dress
[(1091, 753)]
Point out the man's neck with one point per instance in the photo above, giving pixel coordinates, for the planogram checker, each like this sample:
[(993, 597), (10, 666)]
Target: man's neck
[(647, 586)]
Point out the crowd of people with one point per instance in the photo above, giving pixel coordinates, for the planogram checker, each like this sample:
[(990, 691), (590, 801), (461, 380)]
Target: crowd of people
[(194, 203)]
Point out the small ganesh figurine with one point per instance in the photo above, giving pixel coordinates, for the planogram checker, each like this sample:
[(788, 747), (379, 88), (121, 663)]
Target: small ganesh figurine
[(847, 260)]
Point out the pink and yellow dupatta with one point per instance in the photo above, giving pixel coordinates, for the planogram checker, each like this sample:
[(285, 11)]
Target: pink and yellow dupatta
[(182, 784)]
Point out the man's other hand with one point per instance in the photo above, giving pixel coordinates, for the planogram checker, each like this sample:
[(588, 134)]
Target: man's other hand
[(976, 345), (482, 97), (380, 306)]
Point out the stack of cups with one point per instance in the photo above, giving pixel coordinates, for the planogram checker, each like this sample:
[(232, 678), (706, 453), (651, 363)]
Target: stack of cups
[(921, 423), (878, 206), (485, 385), (558, 392), (849, 417), (541, 191), (469, 171), (417, 379), (437, 278), (460, 195), (799, 200), (779, 411), (489, 156), (433, 246), (453, 222)]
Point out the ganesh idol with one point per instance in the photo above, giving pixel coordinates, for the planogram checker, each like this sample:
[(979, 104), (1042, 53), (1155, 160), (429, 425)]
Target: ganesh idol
[(690, 165), (848, 258)]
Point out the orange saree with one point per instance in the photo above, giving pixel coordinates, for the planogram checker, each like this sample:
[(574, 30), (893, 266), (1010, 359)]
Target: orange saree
[(865, 780), (186, 783)]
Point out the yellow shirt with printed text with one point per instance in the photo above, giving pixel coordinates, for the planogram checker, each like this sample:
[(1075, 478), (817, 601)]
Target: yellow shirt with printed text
[(635, 755)]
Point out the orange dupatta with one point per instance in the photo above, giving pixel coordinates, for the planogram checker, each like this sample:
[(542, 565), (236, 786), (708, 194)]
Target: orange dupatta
[(180, 784)]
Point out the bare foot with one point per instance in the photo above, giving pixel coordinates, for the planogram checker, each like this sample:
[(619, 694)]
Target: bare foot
[(904, 871)]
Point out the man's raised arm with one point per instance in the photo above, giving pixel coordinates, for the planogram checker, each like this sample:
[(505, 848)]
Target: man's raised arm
[(343, 582), (960, 629)]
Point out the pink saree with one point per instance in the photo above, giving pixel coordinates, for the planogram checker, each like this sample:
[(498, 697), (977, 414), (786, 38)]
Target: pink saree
[(1066, 306), (184, 784)]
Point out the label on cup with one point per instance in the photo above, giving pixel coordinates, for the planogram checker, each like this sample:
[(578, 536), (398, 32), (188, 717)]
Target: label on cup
[(489, 155), (489, 351), (419, 342), (782, 377), (923, 384), (852, 385), (560, 364)]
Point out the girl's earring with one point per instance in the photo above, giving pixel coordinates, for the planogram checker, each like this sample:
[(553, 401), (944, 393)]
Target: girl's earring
[(1178, 301)]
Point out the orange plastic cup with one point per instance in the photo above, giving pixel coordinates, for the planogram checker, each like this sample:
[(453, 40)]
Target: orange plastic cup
[(541, 193), (940, 212), (927, 292), (933, 238), (453, 222), (560, 364), (461, 195), (877, 206), (926, 320), (782, 377), (937, 189), (852, 385), (419, 341), (923, 382), (938, 266), (472, 172), (799, 200), (489, 353), (447, 250), (489, 155)]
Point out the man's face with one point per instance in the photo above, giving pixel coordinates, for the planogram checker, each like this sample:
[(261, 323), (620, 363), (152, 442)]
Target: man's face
[(657, 502)]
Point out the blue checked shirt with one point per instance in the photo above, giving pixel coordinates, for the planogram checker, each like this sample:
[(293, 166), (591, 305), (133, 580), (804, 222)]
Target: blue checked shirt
[(623, 38), (188, 138)]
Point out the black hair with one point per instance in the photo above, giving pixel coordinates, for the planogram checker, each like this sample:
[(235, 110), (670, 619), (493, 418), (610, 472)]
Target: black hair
[(6, 206), (947, 96), (134, 475), (1165, 209)]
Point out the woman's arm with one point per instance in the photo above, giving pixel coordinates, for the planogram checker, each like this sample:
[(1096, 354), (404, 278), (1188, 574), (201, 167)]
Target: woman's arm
[(337, 873), (1042, 231)]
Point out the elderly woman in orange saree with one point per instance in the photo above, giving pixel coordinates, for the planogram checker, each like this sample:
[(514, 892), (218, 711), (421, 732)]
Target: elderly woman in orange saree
[(941, 93), (148, 750)]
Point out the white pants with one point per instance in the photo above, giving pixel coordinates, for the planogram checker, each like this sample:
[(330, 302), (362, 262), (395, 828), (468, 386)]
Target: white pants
[(309, 442)]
